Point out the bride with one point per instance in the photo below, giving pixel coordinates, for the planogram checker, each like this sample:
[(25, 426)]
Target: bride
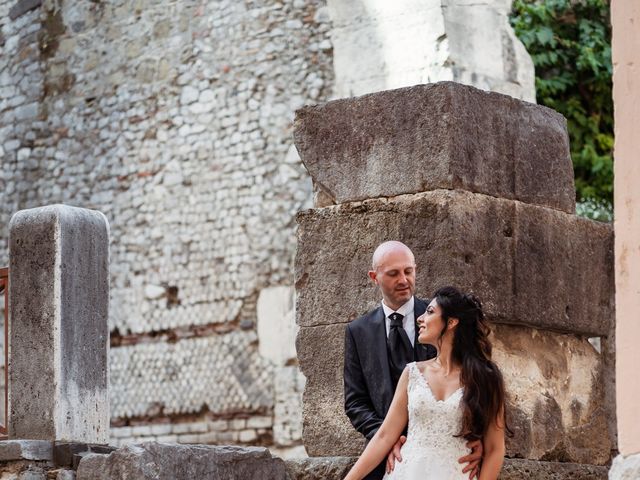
[(456, 397)]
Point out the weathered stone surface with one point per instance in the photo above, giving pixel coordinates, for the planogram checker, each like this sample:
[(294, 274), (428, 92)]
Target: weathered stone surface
[(59, 277), (517, 469), (443, 135), (625, 468), (65, 475), (326, 430), (383, 45), (23, 6), (335, 468), (156, 461), (530, 265), (319, 468), (556, 399), (557, 406), (563, 271), (32, 472), (66, 454), (25, 450)]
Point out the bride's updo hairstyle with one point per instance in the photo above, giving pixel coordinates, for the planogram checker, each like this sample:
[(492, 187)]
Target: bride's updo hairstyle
[(484, 392)]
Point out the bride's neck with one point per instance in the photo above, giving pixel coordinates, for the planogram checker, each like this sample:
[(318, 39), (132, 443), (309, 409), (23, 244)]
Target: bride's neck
[(445, 358)]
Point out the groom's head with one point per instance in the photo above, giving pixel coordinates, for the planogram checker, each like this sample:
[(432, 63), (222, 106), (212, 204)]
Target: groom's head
[(393, 269)]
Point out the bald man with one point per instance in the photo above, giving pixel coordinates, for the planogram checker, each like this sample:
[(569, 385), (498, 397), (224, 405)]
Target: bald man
[(379, 344)]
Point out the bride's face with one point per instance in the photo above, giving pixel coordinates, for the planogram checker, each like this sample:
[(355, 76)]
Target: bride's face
[(430, 324)]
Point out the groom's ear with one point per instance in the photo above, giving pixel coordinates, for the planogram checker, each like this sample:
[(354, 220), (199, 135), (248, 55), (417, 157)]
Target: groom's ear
[(373, 276)]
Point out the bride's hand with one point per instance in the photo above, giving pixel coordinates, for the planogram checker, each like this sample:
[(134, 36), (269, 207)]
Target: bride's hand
[(394, 454)]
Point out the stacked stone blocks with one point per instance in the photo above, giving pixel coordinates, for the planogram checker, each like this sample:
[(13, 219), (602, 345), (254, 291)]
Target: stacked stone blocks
[(480, 186)]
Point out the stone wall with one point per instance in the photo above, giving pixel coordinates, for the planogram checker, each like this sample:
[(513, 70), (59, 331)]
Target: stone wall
[(384, 45), (174, 119), (465, 195)]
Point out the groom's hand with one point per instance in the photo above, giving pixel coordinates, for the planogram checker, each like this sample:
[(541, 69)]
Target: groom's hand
[(394, 454), (473, 459)]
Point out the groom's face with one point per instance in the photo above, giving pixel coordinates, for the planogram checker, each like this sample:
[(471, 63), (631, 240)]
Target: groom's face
[(396, 277)]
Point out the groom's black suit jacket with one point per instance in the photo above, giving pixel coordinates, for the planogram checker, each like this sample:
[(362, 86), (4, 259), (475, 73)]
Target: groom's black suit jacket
[(368, 388)]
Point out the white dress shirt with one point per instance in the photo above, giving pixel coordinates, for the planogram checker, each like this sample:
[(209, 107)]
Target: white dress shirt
[(408, 322)]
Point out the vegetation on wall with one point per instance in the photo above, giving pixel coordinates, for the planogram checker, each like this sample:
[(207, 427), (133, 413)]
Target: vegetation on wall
[(569, 42)]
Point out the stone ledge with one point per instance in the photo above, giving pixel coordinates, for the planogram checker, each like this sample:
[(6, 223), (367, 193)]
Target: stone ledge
[(26, 450), (157, 461), (335, 468), (442, 135)]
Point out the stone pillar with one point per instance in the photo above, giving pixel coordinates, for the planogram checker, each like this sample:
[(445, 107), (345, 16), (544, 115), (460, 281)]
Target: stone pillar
[(380, 45), (59, 335), (480, 186), (625, 17)]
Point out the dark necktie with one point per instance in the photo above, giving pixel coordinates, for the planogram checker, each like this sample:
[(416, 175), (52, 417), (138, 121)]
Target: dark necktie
[(400, 349)]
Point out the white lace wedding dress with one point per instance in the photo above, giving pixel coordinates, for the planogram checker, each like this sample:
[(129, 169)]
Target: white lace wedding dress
[(431, 451)]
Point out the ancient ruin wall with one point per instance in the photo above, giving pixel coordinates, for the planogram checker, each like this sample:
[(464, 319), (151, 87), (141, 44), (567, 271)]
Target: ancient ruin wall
[(172, 118)]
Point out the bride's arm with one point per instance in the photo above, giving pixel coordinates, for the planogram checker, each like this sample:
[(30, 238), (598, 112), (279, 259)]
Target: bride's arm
[(494, 449), (387, 435)]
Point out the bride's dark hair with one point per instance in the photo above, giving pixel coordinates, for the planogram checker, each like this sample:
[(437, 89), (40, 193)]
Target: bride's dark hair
[(484, 392)]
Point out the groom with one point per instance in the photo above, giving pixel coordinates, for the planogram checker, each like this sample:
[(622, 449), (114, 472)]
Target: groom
[(379, 344)]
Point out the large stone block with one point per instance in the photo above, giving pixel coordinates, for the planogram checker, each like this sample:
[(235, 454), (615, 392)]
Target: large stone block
[(157, 461), (59, 337), (557, 406), (443, 135), (326, 430), (556, 401), (25, 450), (530, 265)]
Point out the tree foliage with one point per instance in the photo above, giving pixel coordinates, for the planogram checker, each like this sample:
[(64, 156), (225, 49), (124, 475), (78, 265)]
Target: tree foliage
[(569, 42)]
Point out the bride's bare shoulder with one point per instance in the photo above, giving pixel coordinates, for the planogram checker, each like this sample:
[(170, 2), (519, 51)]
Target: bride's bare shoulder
[(424, 364)]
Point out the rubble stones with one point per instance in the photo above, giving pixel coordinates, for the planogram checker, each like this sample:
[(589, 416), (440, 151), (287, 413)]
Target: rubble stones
[(25, 450), (156, 461), (443, 135)]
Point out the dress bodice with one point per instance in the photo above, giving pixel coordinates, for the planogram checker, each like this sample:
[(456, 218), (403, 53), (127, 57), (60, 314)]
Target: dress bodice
[(432, 450)]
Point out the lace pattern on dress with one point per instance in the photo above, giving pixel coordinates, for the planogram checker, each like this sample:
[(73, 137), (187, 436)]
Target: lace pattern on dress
[(432, 450)]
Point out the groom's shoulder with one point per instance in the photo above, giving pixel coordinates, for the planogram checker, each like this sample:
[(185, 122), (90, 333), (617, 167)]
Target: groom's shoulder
[(421, 303), (364, 320)]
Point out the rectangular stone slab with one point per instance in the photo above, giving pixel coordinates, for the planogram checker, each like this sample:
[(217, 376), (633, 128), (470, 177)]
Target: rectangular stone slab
[(554, 383), (530, 265), (442, 135), (59, 332)]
